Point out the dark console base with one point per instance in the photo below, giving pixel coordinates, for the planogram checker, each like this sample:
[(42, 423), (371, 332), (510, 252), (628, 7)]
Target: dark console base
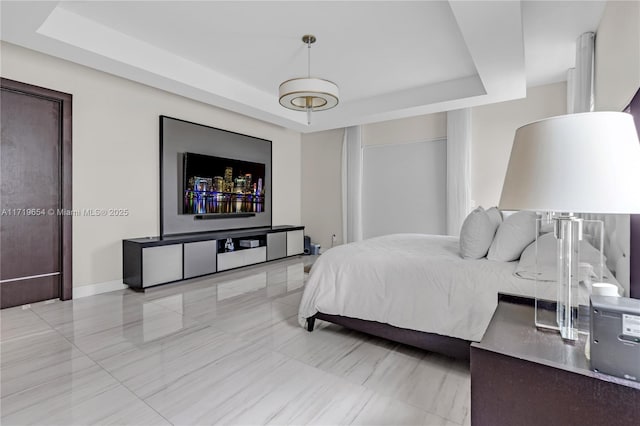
[(161, 260)]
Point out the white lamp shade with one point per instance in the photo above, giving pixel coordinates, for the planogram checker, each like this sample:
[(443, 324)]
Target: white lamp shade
[(576, 163)]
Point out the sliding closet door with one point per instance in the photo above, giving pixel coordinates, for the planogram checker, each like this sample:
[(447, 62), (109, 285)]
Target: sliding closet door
[(404, 188), (32, 233)]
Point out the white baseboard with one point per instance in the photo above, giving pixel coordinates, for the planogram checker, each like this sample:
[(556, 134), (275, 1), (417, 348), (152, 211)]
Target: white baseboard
[(93, 289)]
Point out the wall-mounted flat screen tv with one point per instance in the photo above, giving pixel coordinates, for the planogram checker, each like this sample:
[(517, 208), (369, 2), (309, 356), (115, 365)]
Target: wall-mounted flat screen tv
[(216, 185)]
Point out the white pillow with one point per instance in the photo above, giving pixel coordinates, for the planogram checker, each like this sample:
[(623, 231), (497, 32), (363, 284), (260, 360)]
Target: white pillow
[(495, 216), (542, 259), (476, 234), (514, 234)]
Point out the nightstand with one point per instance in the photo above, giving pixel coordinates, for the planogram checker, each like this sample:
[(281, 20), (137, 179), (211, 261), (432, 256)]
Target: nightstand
[(524, 376)]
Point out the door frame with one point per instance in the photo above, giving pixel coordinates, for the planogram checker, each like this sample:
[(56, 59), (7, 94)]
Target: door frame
[(65, 101)]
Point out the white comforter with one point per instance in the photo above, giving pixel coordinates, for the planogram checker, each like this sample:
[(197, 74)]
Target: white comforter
[(413, 281)]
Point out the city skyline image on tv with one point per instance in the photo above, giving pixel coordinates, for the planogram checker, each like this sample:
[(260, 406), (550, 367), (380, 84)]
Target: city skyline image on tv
[(216, 185)]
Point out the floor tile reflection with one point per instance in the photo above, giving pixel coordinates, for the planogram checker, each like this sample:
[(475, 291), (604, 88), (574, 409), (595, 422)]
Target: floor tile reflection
[(20, 322), (223, 349)]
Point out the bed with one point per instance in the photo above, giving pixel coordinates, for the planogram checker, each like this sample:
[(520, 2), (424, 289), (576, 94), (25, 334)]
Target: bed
[(414, 289)]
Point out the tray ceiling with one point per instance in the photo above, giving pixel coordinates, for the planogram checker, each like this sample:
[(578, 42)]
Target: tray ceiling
[(390, 59)]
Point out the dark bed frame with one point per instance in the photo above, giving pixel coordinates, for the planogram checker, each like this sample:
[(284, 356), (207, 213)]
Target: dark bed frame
[(450, 346)]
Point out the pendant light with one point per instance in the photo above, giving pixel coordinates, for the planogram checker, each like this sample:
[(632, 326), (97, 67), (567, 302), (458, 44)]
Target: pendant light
[(308, 93)]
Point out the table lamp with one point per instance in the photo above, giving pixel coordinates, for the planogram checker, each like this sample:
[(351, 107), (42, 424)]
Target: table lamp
[(576, 163)]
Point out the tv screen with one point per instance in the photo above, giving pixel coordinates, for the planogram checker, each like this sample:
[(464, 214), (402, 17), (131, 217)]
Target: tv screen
[(216, 185)]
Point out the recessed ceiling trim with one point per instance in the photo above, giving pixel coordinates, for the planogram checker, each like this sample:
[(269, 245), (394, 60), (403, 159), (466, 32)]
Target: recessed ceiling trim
[(406, 103), (88, 35), (494, 36)]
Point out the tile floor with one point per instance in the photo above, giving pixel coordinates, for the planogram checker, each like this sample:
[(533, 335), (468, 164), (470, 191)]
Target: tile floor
[(226, 349)]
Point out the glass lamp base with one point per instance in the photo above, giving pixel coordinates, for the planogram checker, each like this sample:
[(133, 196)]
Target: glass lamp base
[(563, 281)]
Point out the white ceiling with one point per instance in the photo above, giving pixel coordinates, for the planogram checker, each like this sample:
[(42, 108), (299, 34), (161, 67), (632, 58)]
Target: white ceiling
[(391, 59)]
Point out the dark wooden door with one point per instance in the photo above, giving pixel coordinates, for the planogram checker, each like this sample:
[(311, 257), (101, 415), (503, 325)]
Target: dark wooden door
[(35, 243)]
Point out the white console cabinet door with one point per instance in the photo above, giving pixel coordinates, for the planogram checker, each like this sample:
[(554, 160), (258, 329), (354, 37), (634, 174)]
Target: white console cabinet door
[(161, 264), (236, 259), (295, 242)]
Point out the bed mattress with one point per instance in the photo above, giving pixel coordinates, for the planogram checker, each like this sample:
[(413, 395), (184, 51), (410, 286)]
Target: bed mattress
[(412, 281)]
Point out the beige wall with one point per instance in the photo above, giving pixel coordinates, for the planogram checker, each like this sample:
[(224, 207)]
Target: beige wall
[(414, 129), (493, 128), (617, 56), (322, 186), (115, 155)]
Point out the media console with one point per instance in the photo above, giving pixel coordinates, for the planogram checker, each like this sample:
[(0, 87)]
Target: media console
[(147, 262)]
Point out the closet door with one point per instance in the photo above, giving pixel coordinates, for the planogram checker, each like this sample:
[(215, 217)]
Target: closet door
[(404, 188)]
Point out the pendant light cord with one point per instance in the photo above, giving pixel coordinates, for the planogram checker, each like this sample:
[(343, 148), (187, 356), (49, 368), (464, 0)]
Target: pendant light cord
[(309, 107), (309, 58)]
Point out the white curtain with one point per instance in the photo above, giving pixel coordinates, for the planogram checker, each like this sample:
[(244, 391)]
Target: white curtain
[(571, 86), (352, 184), (458, 168), (580, 80)]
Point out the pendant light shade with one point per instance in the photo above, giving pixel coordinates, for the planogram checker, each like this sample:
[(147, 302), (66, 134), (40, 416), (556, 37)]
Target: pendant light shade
[(308, 93), (302, 93)]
